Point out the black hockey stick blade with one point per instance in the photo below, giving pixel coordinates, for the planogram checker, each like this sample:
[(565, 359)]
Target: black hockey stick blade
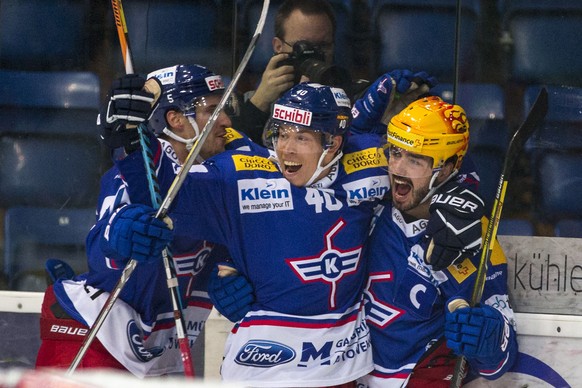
[(535, 116)]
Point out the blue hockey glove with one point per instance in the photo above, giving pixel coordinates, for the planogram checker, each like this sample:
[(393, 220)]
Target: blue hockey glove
[(479, 333), (454, 227), (388, 95), (232, 295), (134, 233), (58, 269), (127, 106)]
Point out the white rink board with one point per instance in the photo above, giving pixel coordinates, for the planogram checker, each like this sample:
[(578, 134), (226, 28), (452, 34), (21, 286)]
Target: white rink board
[(545, 274), (554, 343)]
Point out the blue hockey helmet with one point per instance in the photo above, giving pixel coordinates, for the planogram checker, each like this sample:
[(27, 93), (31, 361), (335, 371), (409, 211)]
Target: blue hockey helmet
[(310, 106), (182, 88)]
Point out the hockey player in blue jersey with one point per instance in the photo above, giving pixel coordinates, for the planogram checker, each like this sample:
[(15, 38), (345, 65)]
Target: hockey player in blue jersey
[(422, 259), (139, 333), (306, 325), (294, 222), (488, 337)]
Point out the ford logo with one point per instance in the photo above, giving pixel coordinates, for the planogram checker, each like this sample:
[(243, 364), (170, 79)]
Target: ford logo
[(142, 353), (264, 354)]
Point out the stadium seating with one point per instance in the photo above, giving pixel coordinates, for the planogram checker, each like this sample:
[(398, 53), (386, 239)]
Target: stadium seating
[(32, 235), (558, 180), (44, 35), (542, 36), (50, 164), (167, 32), (420, 35), (562, 127), (515, 227), (555, 153), (489, 131), (250, 10), (50, 154), (569, 228)]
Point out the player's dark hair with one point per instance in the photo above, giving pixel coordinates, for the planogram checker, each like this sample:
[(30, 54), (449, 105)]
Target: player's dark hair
[(308, 7)]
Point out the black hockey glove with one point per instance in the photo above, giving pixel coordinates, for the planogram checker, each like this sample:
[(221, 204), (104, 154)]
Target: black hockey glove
[(126, 107), (454, 227)]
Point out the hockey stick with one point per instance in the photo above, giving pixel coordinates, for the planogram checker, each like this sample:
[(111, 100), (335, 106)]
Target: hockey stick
[(179, 180), (154, 190), (119, 17), (176, 184), (534, 117)]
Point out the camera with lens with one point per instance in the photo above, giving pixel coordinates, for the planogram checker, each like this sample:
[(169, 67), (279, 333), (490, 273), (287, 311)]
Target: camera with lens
[(309, 60)]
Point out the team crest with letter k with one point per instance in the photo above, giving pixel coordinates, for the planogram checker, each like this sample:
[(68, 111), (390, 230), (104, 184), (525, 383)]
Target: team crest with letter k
[(330, 265)]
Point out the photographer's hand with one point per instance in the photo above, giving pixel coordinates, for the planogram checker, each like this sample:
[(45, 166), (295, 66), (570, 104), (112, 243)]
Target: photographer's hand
[(274, 82)]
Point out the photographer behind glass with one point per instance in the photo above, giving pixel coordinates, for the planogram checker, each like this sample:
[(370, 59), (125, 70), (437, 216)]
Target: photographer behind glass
[(309, 64), (303, 49)]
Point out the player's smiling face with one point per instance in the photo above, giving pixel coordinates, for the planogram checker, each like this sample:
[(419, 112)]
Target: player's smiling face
[(298, 151), (410, 176)]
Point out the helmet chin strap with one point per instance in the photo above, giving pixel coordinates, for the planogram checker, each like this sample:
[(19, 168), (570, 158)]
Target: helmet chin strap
[(188, 142), (432, 181), (321, 168)]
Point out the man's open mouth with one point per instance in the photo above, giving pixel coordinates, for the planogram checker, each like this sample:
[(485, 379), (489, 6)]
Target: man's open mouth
[(292, 167)]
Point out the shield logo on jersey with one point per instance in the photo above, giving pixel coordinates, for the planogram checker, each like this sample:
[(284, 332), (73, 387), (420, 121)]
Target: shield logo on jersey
[(330, 265), (379, 313)]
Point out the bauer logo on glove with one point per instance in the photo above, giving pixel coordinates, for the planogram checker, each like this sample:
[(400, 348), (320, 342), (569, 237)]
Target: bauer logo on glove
[(454, 228)]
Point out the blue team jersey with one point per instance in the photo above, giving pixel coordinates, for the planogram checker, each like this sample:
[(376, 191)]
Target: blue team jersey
[(406, 300), (145, 298), (300, 247)]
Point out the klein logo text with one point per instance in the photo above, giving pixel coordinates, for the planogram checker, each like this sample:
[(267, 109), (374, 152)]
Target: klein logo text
[(340, 97), (366, 193), (166, 75), (292, 115), (257, 193)]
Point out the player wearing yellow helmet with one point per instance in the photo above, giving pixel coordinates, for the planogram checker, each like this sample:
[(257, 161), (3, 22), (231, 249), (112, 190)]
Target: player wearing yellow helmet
[(423, 254)]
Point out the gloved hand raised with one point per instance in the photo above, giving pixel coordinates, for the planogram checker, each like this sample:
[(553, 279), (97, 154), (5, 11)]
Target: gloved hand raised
[(230, 292), (387, 96), (133, 232), (454, 231), (127, 105), (479, 333)]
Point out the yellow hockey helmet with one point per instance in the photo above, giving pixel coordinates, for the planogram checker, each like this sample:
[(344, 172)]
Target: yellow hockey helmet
[(431, 127)]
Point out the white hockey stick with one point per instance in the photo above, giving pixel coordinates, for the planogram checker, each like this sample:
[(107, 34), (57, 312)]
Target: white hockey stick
[(153, 185), (179, 180), (174, 188)]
